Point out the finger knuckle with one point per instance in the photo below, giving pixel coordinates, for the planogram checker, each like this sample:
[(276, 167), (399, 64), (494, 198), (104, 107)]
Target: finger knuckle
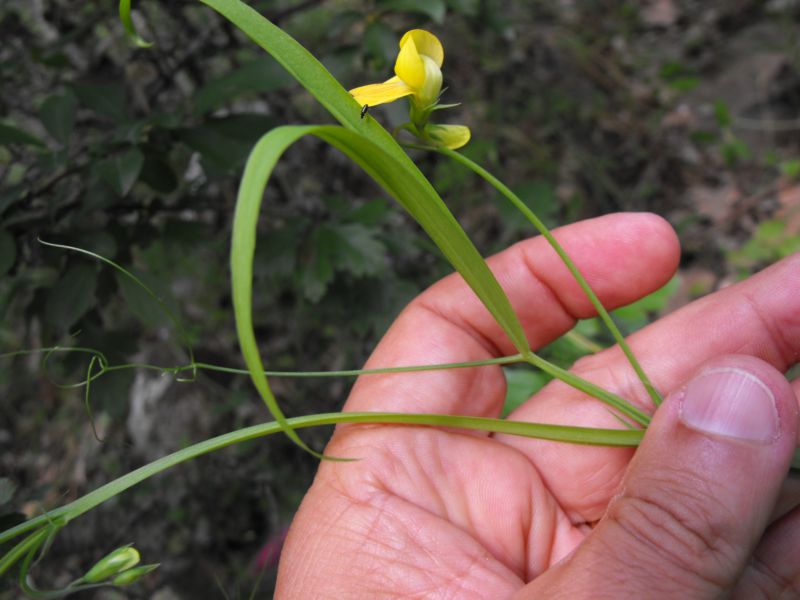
[(685, 531), (771, 583)]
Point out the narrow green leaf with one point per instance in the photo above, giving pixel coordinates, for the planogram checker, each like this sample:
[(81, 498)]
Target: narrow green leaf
[(32, 542), (449, 236), (581, 280), (412, 193), (561, 433), (127, 23)]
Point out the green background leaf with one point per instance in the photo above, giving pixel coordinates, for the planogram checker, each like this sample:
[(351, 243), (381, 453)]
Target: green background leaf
[(72, 296), (258, 76), (8, 251), (105, 99), (122, 170), (433, 9), (14, 135), (58, 116)]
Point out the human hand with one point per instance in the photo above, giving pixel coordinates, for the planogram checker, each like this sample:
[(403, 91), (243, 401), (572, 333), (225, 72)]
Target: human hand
[(436, 513)]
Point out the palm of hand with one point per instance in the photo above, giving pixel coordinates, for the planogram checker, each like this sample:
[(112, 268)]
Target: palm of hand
[(441, 513)]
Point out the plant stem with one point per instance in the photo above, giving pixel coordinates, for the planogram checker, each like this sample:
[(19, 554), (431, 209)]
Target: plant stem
[(61, 516), (97, 356), (503, 360), (542, 228), (182, 333), (587, 387), (578, 435)]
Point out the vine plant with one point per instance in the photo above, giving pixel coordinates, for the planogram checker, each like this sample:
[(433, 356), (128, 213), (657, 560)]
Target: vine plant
[(382, 156)]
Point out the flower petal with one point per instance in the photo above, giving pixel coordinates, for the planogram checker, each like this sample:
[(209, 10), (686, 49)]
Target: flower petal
[(449, 136), (428, 94), (426, 43), (409, 66), (381, 93)]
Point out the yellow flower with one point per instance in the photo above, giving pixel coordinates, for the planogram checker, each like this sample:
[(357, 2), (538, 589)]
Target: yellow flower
[(418, 73)]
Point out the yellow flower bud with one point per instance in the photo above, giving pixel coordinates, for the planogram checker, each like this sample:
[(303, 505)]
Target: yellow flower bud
[(117, 561), (449, 136)]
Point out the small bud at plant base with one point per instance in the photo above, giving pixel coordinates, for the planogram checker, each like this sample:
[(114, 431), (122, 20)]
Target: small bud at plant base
[(133, 575), (119, 560)]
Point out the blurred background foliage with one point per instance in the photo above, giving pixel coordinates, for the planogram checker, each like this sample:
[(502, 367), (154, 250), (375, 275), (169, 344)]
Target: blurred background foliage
[(687, 109)]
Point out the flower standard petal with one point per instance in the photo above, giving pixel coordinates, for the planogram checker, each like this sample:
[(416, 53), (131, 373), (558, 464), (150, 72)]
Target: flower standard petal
[(426, 43), (409, 65), (381, 93)]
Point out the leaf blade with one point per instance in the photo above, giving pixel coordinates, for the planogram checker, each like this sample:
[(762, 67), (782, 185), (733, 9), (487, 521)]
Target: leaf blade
[(312, 75), (419, 199)]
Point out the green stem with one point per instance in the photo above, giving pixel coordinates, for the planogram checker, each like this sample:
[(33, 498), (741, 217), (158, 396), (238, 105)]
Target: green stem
[(587, 387), (583, 343), (61, 516), (578, 435), (30, 543), (200, 366), (542, 228), (503, 360), (162, 305)]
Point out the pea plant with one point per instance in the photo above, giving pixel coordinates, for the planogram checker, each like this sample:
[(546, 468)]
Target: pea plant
[(382, 155)]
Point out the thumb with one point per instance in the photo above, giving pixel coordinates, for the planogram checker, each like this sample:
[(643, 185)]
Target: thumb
[(698, 494)]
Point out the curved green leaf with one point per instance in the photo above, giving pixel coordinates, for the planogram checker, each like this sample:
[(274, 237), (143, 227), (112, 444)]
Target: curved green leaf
[(560, 433), (408, 190), (127, 23), (413, 193), (312, 75)]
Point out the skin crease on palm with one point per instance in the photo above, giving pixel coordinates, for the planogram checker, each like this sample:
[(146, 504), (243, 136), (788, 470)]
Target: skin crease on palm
[(434, 513)]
